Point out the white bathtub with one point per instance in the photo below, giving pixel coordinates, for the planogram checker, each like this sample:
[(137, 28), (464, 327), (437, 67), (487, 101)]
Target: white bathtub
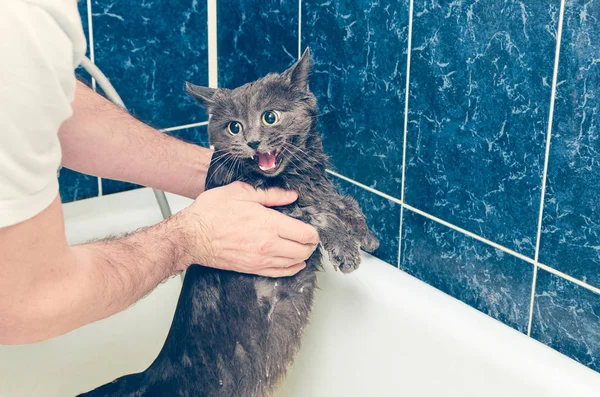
[(376, 332)]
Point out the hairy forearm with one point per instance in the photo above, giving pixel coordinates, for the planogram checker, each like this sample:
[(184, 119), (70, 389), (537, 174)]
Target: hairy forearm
[(104, 140), (129, 267), (90, 282)]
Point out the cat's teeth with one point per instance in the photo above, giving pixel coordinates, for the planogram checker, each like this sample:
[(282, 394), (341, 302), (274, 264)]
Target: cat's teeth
[(267, 161)]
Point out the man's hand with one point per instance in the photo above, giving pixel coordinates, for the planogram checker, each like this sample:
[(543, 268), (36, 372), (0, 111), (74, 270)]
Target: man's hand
[(231, 229)]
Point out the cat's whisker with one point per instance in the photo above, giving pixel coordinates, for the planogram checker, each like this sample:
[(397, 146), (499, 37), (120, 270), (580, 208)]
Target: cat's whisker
[(230, 172), (296, 147), (300, 160), (219, 167), (227, 169), (220, 157), (305, 161), (220, 153)]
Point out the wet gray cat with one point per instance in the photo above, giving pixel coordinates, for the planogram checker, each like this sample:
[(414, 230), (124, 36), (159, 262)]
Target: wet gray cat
[(235, 334)]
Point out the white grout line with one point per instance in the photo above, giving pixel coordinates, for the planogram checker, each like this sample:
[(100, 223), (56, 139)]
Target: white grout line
[(410, 22), (534, 261), (213, 64), (183, 127), (569, 278), (299, 29), (546, 159), (213, 82), (470, 234), (92, 58), (532, 298), (370, 189)]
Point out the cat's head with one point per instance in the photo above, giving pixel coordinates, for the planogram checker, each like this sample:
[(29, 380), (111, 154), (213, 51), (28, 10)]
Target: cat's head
[(265, 124)]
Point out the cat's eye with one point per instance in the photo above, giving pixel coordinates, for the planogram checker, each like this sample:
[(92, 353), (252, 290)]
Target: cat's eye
[(234, 127), (270, 117)]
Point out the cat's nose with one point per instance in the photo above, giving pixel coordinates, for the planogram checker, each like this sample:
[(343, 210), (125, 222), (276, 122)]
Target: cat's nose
[(254, 144)]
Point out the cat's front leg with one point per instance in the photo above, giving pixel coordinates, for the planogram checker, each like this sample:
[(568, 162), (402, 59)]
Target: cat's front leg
[(350, 213), (341, 244), (337, 237)]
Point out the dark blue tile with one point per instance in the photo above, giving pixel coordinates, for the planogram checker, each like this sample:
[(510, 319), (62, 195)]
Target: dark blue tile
[(483, 277), (148, 50), (197, 135), (80, 72), (83, 15), (110, 186), (481, 75), (566, 317), (76, 186), (359, 51), (383, 218), (255, 38), (571, 228)]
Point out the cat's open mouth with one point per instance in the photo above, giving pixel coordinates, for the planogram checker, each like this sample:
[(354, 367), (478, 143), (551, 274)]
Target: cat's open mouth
[(267, 162)]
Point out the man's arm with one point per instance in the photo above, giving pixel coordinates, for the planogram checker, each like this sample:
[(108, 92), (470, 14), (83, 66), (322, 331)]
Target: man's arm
[(103, 140), (48, 288)]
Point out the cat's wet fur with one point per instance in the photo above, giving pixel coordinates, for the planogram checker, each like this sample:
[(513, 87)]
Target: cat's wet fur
[(236, 334)]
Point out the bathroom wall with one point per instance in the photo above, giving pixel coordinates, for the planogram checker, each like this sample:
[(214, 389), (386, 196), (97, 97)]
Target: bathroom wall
[(473, 150), (148, 59)]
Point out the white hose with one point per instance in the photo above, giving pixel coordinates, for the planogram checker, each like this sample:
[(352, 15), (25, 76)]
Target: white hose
[(112, 95), (104, 83)]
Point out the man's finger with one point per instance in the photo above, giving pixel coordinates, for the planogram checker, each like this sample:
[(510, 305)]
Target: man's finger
[(269, 198), (281, 263), (282, 272), (295, 230), (288, 249)]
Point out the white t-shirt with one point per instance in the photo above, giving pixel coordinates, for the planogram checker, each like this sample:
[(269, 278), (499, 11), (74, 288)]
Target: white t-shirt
[(42, 42)]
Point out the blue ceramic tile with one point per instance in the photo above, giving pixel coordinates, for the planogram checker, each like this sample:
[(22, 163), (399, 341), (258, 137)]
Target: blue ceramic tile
[(148, 50), (481, 75), (383, 218), (566, 317), (196, 135), (483, 277), (81, 74), (110, 186), (359, 51), (571, 228), (255, 38), (76, 186), (83, 14)]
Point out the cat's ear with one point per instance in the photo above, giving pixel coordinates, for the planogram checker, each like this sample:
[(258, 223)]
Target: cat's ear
[(298, 72), (201, 94)]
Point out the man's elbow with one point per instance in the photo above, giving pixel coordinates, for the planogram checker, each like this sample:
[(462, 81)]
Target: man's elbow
[(10, 335), (11, 329), (19, 326)]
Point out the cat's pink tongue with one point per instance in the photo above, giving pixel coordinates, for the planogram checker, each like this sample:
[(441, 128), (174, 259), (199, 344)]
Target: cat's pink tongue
[(266, 161)]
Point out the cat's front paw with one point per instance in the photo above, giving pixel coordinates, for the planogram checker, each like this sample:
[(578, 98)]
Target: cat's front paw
[(344, 257), (369, 242)]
